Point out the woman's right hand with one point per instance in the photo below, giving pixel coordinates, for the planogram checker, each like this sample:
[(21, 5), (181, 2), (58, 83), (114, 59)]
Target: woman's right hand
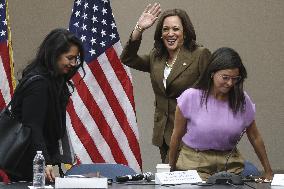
[(49, 174), (149, 16)]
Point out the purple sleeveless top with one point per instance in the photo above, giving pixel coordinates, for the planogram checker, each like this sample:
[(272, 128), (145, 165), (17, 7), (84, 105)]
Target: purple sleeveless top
[(214, 128)]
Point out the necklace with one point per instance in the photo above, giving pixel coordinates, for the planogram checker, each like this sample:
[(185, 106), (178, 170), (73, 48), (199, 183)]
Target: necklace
[(173, 62)]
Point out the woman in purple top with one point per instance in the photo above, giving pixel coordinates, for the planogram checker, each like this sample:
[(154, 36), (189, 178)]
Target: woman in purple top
[(211, 118)]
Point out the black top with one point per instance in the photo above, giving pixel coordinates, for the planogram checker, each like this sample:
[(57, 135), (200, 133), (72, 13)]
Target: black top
[(41, 106)]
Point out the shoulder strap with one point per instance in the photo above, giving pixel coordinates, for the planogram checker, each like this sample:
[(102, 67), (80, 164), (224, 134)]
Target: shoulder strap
[(23, 84), (31, 79)]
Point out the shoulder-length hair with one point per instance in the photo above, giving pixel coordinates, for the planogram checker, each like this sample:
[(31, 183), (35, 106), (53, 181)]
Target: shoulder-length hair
[(56, 43), (224, 58), (188, 31)]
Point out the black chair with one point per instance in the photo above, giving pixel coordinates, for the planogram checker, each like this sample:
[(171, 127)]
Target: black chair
[(111, 171)]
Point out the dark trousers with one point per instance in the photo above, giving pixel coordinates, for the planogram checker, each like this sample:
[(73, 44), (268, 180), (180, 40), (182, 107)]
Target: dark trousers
[(164, 152)]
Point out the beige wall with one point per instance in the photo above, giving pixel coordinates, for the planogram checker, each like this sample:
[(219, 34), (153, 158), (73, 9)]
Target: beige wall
[(255, 28)]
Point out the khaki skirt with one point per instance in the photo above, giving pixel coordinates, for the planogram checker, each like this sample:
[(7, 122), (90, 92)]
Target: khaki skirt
[(209, 162)]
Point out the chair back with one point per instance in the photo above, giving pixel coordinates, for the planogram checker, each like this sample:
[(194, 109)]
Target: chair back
[(250, 169), (111, 171)]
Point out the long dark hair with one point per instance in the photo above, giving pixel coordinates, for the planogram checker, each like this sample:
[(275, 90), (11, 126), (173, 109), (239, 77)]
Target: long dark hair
[(57, 42), (224, 58), (45, 63), (188, 31)]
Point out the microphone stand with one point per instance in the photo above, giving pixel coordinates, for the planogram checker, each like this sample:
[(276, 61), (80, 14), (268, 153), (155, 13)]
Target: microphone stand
[(225, 177)]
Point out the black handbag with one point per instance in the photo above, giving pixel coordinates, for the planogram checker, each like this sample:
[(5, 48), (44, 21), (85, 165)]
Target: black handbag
[(14, 140), (14, 137)]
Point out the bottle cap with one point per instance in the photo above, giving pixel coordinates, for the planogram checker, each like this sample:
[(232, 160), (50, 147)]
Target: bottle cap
[(39, 152)]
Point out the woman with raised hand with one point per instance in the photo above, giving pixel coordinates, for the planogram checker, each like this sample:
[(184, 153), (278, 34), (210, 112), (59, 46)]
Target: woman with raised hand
[(175, 63)]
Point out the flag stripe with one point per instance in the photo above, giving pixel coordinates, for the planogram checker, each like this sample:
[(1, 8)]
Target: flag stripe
[(121, 74), (2, 101), (108, 114), (118, 92), (6, 65), (5, 72), (119, 113), (79, 148), (90, 125), (103, 100), (118, 49), (99, 118), (84, 135)]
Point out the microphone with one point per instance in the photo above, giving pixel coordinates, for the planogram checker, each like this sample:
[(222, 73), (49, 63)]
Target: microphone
[(147, 176), (225, 177)]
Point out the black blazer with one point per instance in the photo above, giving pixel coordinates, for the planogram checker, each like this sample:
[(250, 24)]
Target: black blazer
[(38, 107)]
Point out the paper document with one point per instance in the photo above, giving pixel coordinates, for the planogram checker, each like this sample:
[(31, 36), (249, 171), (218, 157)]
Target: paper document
[(178, 177), (278, 180), (75, 182), (32, 187)]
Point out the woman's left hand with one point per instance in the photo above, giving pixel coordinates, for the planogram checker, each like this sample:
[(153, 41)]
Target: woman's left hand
[(268, 176), (49, 174)]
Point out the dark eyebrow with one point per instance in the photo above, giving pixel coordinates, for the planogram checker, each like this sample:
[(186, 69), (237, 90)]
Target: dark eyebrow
[(171, 26), (71, 56), (231, 76)]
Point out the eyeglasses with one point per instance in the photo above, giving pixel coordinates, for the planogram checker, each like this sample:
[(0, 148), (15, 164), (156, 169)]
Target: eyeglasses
[(74, 59), (227, 78)]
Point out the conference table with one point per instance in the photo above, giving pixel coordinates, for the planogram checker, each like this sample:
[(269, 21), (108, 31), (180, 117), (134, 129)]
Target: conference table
[(146, 185)]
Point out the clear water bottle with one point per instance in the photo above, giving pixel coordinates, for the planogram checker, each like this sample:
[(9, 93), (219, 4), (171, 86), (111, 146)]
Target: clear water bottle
[(38, 170)]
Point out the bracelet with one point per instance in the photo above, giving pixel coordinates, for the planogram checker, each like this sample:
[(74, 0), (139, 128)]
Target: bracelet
[(138, 28)]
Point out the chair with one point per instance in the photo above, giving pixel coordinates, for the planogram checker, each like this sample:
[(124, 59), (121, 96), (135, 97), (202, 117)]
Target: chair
[(250, 169), (111, 171)]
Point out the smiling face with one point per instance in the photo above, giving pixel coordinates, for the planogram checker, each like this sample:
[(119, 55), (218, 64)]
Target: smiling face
[(224, 80), (67, 61), (172, 33)]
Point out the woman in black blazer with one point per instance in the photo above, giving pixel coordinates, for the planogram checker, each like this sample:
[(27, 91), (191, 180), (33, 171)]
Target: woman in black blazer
[(41, 105)]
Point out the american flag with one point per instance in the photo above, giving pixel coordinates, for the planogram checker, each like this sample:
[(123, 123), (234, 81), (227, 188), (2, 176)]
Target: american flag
[(7, 80), (101, 118)]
